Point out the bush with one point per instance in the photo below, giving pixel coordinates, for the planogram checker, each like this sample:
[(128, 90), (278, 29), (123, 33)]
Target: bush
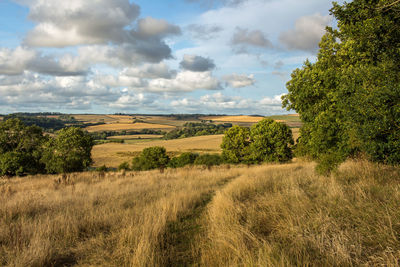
[(151, 158), (208, 160), (102, 168), (183, 160), (124, 166)]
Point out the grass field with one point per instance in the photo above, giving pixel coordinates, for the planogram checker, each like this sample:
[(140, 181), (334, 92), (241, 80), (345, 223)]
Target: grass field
[(269, 215), (113, 154), (128, 126)]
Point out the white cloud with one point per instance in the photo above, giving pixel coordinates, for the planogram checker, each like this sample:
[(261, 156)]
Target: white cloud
[(307, 32), (16, 61), (253, 38), (239, 80)]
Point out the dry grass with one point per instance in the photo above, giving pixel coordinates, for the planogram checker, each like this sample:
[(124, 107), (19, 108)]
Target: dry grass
[(128, 126), (269, 215), (289, 216), (113, 154), (90, 219), (296, 133), (89, 118)]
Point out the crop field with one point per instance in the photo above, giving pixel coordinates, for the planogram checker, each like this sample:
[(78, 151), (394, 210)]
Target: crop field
[(233, 119), (136, 136), (128, 126), (113, 154), (267, 215), (95, 118)]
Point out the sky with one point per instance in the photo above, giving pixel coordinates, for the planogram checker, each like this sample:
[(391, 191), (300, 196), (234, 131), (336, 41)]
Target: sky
[(154, 56)]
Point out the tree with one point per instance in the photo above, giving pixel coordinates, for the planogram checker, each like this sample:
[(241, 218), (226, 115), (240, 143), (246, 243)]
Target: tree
[(349, 99), (151, 158), (270, 141), (235, 144), (20, 148), (70, 151), (208, 160), (266, 141)]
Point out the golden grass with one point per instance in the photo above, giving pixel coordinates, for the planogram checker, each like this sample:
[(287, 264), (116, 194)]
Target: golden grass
[(242, 118), (93, 118), (113, 154), (128, 126), (269, 215), (289, 216), (136, 136), (296, 133)]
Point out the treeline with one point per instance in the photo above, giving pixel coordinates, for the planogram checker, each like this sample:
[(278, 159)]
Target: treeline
[(49, 124), (196, 129), (27, 150), (105, 134)]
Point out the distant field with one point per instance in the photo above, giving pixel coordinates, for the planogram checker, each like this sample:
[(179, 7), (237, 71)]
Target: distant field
[(128, 126), (113, 154), (136, 136), (94, 118), (234, 118)]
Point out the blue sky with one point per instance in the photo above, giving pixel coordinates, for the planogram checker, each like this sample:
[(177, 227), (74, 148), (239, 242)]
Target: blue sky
[(170, 56)]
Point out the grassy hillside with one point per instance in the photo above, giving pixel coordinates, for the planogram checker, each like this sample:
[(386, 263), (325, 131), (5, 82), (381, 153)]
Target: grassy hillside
[(269, 215)]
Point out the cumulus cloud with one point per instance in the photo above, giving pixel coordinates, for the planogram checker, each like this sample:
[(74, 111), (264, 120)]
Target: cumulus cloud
[(203, 32), (185, 81), (66, 23), (307, 33), (239, 80), (150, 27), (16, 61), (220, 103), (151, 71), (197, 63), (98, 24), (252, 38)]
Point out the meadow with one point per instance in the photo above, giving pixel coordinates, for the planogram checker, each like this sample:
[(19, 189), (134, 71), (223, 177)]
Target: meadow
[(267, 215)]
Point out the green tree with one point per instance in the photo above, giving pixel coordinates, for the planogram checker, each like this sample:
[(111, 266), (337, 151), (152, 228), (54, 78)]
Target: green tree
[(270, 142), (209, 160), (70, 151), (20, 148), (235, 144), (150, 158), (349, 99)]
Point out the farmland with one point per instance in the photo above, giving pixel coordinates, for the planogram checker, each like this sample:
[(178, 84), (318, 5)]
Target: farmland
[(268, 215), (113, 154), (130, 126)]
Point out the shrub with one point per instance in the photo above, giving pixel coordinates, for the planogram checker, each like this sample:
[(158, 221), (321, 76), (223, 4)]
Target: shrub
[(183, 160), (151, 158), (208, 160), (235, 144), (124, 166)]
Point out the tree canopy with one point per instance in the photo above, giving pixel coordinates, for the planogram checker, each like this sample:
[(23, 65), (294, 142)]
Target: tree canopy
[(349, 99)]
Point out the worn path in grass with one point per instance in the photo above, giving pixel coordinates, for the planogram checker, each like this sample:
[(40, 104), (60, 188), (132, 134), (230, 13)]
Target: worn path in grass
[(180, 236)]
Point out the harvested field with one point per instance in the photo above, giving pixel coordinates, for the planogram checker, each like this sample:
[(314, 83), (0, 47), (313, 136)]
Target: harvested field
[(253, 119), (136, 136), (128, 126), (113, 154), (94, 118)]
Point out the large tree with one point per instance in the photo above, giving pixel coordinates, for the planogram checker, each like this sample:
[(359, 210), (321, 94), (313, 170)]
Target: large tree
[(20, 148), (349, 99), (70, 151)]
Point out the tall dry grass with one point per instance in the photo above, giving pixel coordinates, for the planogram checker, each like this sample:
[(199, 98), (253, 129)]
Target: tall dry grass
[(270, 215), (289, 216), (98, 219)]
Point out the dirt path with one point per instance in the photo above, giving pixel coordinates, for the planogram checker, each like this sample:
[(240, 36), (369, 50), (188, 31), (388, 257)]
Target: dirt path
[(179, 239)]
